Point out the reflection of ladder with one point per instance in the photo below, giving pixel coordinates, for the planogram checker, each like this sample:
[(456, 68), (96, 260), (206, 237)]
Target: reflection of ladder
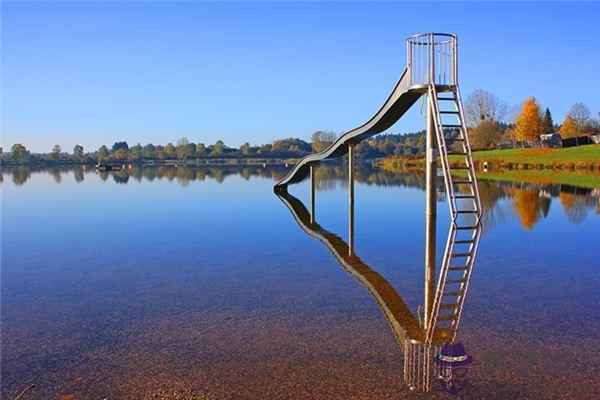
[(418, 360), (465, 210)]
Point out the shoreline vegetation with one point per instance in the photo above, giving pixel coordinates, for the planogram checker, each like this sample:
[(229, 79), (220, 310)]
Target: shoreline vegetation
[(572, 159), (577, 166)]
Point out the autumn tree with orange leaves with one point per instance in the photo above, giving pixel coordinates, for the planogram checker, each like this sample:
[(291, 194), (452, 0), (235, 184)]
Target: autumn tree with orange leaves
[(529, 125), (568, 128)]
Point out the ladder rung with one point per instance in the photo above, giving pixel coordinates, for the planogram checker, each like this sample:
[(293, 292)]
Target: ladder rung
[(448, 305), (466, 228), (452, 294), (457, 268), (454, 139), (458, 153), (459, 181), (461, 255), (455, 280), (449, 112), (462, 241), (451, 126), (446, 98), (451, 167), (467, 212), (464, 196)]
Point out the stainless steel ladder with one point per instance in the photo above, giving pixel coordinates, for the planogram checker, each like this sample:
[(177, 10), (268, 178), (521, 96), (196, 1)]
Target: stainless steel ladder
[(465, 210)]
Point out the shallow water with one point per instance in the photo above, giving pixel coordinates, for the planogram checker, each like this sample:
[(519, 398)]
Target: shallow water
[(115, 285)]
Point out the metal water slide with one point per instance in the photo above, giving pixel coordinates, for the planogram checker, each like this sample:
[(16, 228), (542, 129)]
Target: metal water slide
[(398, 102)]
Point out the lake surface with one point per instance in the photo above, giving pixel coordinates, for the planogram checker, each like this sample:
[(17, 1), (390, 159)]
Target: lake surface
[(115, 285)]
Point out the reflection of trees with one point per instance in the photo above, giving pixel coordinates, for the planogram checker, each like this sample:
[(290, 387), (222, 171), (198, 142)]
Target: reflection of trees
[(576, 207), (334, 175), (78, 174), (490, 193), (55, 173), (121, 177), (20, 175), (527, 206), (531, 201)]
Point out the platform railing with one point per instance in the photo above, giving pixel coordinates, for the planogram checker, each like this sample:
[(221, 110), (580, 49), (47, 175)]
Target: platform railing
[(432, 58)]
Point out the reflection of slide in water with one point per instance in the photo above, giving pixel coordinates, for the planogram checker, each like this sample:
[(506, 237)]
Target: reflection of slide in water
[(418, 355)]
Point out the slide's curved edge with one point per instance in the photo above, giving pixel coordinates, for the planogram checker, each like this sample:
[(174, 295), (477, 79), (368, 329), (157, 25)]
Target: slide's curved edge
[(398, 102), (399, 316)]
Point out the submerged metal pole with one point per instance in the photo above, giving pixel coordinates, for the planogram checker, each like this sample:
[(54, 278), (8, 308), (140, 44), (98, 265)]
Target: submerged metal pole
[(430, 214), (350, 199), (312, 194)]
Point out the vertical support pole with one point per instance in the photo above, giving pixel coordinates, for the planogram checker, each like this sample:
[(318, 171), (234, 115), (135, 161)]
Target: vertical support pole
[(350, 199), (455, 54), (312, 194), (430, 213)]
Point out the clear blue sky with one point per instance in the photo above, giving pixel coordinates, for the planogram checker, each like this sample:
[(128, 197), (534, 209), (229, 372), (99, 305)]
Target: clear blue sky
[(94, 73)]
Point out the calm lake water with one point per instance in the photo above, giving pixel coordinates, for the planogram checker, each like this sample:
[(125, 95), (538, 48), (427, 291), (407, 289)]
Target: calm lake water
[(115, 285)]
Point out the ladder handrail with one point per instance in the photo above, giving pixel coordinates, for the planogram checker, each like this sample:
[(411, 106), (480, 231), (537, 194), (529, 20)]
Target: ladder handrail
[(470, 155), (456, 210)]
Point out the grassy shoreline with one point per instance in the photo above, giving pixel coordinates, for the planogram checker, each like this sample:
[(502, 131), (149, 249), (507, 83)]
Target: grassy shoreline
[(582, 157), (577, 166), (573, 158)]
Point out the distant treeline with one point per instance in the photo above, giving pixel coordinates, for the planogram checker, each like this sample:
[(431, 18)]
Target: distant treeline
[(409, 145), (485, 116)]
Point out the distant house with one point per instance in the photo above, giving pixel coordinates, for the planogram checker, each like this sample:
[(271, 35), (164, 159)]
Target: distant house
[(518, 144), (550, 140)]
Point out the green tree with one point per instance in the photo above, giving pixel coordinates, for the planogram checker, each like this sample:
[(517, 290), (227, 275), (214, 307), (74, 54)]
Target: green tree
[(218, 148), (120, 154), (264, 150), (137, 153), (170, 151), (245, 149), (78, 152), (290, 147), (120, 146), (149, 151), (103, 153), (55, 153), (185, 149), (160, 152), (201, 149), (547, 123), (19, 153)]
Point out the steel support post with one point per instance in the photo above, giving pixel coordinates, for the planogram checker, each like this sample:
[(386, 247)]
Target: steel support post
[(430, 214)]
